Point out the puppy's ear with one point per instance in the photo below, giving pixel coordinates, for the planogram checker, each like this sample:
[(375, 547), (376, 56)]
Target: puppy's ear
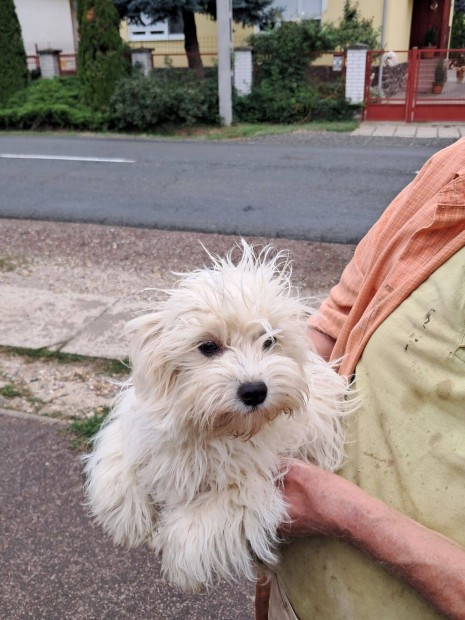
[(153, 364)]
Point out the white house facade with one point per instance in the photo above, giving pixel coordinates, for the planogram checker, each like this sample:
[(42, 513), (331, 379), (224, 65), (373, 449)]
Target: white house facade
[(48, 24)]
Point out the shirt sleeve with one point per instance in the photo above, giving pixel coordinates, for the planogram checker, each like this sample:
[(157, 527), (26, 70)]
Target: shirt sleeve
[(335, 309)]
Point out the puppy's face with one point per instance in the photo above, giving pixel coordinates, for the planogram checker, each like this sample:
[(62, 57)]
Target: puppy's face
[(227, 348)]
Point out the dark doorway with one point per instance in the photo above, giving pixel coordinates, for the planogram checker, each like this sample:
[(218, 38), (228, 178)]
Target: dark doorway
[(430, 15)]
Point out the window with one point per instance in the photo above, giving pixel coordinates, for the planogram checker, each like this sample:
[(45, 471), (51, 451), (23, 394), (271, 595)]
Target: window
[(170, 29), (301, 9)]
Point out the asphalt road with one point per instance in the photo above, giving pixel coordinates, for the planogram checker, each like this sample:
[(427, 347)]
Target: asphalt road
[(319, 187), (56, 565)]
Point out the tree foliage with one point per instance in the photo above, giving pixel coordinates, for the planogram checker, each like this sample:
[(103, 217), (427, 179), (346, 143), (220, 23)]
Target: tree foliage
[(353, 28), (13, 61), (102, 61), (244, 11)]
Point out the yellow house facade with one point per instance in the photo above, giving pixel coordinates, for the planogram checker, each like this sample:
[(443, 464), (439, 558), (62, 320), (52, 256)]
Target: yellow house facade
[(402, 24), (391, 18), (166, 40)]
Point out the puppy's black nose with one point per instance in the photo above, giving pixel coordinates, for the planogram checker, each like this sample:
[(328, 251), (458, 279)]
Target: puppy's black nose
[(252, 394)]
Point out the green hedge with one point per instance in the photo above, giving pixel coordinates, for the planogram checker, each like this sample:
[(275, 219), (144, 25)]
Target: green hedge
[(51, 104), (50, 116), (169, 98), (166, 97)]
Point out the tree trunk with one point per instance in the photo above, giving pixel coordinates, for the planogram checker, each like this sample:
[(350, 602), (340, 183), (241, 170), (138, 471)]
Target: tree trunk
[(191, 44)]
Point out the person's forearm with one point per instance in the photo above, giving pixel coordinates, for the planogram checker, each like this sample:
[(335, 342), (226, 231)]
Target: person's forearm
[(430, 563), (323, 503)]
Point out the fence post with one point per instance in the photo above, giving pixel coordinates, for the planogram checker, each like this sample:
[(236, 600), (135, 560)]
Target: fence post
[(49, 61), (142, 57), (355, 73), (412, 83), (243, 70)]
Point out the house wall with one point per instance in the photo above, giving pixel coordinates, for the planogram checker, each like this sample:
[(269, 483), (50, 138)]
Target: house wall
[(206, 35), (397, 27), (368, 9), (46, 24), (398, 23)]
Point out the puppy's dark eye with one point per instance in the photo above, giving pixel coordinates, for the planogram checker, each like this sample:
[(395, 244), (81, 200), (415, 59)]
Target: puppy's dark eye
[(269, 342), (209, 348)]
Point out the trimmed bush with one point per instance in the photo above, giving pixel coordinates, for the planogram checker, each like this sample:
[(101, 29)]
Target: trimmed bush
[(51, 104), (272, 104), (166, 97), (13, 61)]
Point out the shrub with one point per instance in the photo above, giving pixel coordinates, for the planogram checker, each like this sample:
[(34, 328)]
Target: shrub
[(285, 53), (282, 92), (166, 97), (13, 62), (50, 104), (440, 72), (267, 103), (51, 116), (102, 55), (58, 90)]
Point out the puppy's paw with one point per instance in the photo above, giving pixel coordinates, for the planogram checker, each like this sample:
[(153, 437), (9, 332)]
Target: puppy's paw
[(116, 498)]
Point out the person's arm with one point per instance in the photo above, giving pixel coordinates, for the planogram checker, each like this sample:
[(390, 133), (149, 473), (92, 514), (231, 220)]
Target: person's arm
[(321, 343), (322, 503)]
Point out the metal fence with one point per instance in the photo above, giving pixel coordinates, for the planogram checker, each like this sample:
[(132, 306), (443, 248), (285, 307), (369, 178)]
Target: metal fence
[(415, 85)]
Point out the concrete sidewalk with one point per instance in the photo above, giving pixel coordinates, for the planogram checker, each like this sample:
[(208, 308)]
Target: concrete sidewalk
[(90, 325), (73, 287), (410, 130)]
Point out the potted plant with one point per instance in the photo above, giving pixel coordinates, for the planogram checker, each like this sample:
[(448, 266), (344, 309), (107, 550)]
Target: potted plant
[(430, 41), (440, 77)]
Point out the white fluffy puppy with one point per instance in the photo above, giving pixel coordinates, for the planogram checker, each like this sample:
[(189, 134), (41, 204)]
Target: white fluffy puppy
[(223, 390)]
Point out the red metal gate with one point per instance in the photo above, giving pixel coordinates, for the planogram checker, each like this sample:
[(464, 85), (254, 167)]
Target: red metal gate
[(415, 86)]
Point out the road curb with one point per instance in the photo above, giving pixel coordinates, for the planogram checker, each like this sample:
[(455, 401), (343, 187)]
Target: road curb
[(12, 413)]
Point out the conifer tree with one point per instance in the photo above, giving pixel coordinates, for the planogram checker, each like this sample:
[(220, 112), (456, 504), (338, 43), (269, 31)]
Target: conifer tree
[(353, 28), (13, 61), (102, 61)]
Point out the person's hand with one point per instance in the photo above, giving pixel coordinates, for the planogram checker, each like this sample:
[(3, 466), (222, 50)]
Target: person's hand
[(318, 502)]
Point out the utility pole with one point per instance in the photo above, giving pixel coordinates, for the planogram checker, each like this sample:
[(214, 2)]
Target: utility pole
[(224, 29)]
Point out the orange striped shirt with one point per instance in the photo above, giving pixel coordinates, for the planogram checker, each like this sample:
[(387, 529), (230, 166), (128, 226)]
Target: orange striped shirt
[(418, 232)]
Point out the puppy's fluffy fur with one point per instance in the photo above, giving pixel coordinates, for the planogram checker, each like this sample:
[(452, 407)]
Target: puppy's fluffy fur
[(223, 390)]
